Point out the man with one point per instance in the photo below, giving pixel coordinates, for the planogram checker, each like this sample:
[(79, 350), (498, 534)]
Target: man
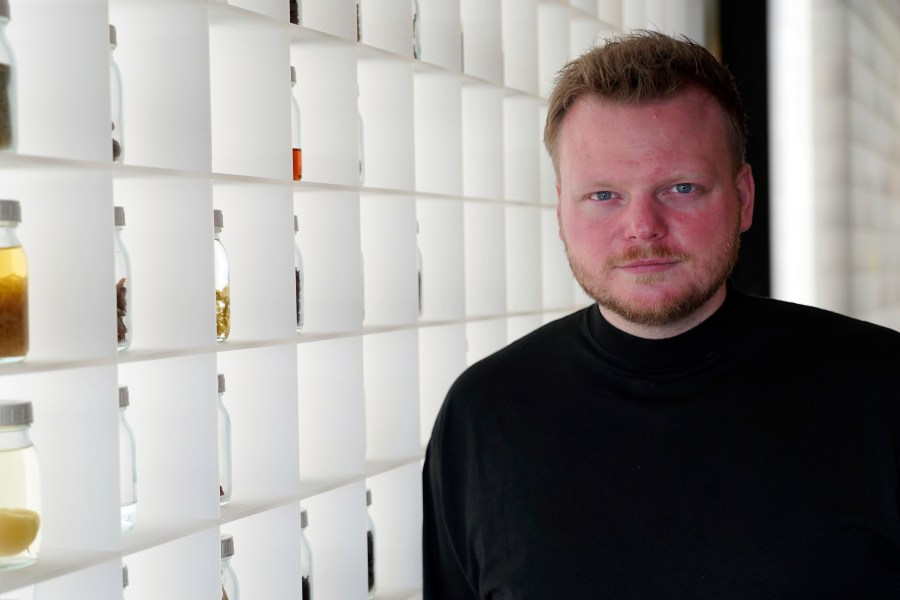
[(679, 439)]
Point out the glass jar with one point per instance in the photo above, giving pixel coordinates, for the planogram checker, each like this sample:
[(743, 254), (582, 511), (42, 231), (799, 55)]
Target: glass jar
[(224, 446), (228, 578), (305, 559), (115, 99), (416, 24), (20, 494), (124, 580), (127, 464), (223, 276), (123, 284), (370, 544), (13, 286), (296, 148), (296, 12), (8, 103), (298, 275)]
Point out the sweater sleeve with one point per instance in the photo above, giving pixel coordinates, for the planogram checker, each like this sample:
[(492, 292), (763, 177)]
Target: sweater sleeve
[(443, 572)]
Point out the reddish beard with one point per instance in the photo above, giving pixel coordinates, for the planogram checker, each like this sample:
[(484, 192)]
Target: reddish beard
[(672, 308)]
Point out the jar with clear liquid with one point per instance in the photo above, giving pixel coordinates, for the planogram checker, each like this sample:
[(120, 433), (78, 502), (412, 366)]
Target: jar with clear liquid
[(306, 581), (370, 545), (296, 147), (123, 284), (224, 445), (8, 103), (20, 494), (13, 286), (127, 464), (298, 275), (115, 99), (229, 581), (222, 279)]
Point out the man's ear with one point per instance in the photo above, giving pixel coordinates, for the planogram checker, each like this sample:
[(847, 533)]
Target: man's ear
[(746, 189)]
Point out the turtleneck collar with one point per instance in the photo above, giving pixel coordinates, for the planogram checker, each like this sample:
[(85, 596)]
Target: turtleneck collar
[(682, 353)]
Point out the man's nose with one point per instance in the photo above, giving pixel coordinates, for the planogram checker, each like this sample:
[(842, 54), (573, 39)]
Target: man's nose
[(644, 219)]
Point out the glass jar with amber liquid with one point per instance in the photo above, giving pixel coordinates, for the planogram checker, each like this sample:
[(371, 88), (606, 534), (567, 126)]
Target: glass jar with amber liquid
[(222, 279), (296, 148), (20, 493), (8, 125), (13, 286)]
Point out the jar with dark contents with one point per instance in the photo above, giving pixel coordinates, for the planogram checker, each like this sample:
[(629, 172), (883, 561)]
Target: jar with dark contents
[(115, 99), (298, 276), (306, 579), (8, 123), (370, 545), (123, 284), (224, 445)]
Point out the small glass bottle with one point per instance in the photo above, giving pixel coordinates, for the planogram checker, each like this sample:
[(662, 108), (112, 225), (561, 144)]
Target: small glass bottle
[(296, 12), (228, 578), (224, 445), (296, 147), (298, 276), (358, 23), (20, 494), (124, 580), (13, 286), (127, 464), (123, 284), (306, 580), (223, 277), (8, 103), (370, 544), (115, 99), (416, 24), (362, 145)]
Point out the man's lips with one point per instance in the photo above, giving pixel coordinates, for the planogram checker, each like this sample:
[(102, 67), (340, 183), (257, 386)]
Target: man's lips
[(650, 265)]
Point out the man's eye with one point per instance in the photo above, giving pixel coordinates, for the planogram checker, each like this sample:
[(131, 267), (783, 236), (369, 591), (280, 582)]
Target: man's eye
[(683, 188), (601, 196)]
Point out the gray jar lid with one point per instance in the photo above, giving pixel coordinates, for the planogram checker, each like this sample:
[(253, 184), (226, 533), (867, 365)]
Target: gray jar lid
[(296, 224), (14, 413), (218, 219), (221, 379), (4, 8), (119, 216), (227, 544), (368, 497), (293, 75), (112, 35), (123, 396), (124, 576), (304, 520), (10, 210)]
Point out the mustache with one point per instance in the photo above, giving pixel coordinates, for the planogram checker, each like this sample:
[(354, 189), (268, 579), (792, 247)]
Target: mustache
[(644, 253)]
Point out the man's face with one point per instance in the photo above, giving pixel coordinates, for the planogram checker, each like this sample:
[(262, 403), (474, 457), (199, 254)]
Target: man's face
[(650, 209)]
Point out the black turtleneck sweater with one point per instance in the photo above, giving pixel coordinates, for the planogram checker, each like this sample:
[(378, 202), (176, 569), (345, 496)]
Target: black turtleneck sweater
[(754, 456)]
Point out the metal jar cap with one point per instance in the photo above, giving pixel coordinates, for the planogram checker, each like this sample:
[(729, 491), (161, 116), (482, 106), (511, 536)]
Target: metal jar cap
[(120, 216), (124, 576), (112, 35), (15, 412), (304, 520), (218, 220), (10, 210), (368, 497), (296, 224), (221, 383), (123, 396), (227, 544), (293, 75)]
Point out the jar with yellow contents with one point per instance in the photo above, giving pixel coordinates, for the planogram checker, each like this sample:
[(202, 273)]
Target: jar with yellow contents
[(20, 494), (13, 286)]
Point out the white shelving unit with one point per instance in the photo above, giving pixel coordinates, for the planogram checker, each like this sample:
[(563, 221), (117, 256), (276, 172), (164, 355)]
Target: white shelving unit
[(452, 146)]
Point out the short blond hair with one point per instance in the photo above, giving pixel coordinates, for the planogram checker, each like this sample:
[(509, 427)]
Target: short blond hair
[(644, 66)]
